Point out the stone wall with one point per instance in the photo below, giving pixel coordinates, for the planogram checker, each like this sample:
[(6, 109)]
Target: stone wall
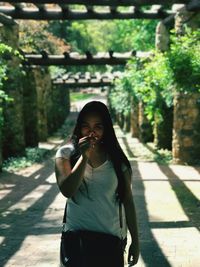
[(13, 142), (43, 89), (58, 107), (163, 128), (37, 108), (127, 123), (30, 106), (186, 133), (145, 128), (134, 119)]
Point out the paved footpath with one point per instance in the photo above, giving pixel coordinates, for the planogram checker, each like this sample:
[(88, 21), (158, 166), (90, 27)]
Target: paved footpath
[(166, 198)]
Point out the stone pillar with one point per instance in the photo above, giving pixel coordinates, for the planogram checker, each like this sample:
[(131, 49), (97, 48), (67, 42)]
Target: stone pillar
[(30, 109), (127, 121), (13, 128), (186, 18), (186, 134), (162, 37), (163, 129), (43, 88), (145, 128), (58, 107), (134, 119)]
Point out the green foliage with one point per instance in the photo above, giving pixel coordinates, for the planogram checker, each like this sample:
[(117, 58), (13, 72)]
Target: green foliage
[(98, 36), (33, 155), (119, 96), (56, 71), (152, 84), (184, 59), (155, 80), (5, 51), (130, 35), (76, 96), (35, 36), (80, 38)]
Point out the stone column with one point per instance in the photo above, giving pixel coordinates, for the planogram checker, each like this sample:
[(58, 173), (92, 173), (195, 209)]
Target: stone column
[(43, 88), (30, 109), (145, 128), (163, 129), (127, 122), (186, 133), (58, 106), (186, 18), (162, 37), (13, 128), (134, 119)]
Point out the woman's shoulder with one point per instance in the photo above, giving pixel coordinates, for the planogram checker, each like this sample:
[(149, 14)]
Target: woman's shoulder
[(65, 151)]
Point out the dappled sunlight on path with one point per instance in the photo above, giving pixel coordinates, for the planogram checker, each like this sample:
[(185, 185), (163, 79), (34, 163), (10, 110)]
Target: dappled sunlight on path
[(168, 208), (166, 198)]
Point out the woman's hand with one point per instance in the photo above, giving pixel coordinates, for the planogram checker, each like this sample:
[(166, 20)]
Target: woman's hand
[(84, 145), (133, 254)]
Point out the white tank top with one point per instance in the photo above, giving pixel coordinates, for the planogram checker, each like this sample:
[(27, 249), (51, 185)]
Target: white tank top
[(95, 207)]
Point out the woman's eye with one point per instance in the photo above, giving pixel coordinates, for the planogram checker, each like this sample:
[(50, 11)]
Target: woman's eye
[(99, 127), (84, 126)]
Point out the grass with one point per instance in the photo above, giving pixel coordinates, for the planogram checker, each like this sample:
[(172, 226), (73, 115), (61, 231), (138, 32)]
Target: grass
[(77, 96)]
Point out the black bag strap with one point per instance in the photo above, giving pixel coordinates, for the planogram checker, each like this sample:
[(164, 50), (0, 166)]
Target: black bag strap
[(65, 213), (120, 215)]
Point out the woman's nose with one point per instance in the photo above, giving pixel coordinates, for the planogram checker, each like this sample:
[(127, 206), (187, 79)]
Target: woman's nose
[(91, 133)]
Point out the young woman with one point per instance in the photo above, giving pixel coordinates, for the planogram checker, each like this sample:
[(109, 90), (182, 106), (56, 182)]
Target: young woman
[(94, 175)]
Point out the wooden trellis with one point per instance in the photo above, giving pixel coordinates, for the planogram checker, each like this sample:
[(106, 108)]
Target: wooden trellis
[(42, 10), (75, 59), (94, 9), (84, 80)]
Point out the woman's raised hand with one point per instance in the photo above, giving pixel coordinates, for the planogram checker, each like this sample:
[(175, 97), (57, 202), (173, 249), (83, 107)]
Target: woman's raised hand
[(84, 145)]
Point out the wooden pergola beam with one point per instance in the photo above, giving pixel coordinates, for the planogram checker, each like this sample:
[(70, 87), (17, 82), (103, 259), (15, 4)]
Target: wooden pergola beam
[(106, 2), (84, 84), (6, 20), (53, 14), (67, 59), (41, 7), (74, 61), (87, 77)]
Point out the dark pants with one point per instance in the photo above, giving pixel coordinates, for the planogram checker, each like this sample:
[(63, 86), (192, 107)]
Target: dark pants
[(91, 249)]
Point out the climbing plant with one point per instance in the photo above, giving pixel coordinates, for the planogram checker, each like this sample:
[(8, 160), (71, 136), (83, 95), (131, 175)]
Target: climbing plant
[(5, 51), (184, 60), (156, 79)]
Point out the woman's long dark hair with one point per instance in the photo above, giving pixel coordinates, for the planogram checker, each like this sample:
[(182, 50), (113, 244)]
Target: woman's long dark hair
[(109, 139)]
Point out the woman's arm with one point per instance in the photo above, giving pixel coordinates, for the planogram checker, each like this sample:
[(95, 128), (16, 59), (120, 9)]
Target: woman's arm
[(131, 220), (69, 179)]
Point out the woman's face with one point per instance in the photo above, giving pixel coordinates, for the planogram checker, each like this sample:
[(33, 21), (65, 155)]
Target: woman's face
[(92, 126)]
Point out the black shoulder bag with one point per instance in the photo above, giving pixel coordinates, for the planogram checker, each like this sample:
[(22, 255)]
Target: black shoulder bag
[(91, 249)]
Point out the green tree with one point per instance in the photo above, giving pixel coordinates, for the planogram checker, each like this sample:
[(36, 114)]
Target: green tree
[(35, 37), (132, 35)]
